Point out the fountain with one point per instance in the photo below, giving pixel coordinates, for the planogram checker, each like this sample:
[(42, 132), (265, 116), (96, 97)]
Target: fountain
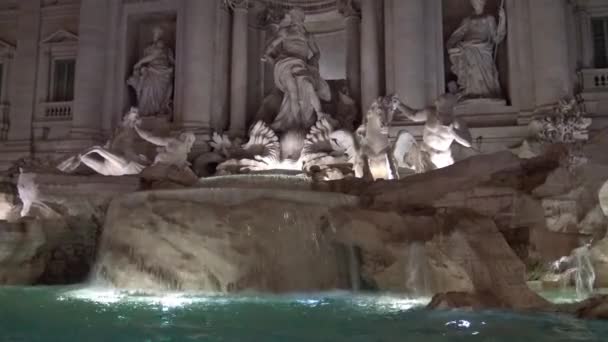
[(418, 280), (584, 274)]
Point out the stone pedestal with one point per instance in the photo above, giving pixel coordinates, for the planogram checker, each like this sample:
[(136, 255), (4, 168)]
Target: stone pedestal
[(90, 70), (370, 54), (238, 76), (198, 67)]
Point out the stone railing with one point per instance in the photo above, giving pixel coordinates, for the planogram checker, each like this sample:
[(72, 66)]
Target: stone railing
[(594, 79), (57, 110)]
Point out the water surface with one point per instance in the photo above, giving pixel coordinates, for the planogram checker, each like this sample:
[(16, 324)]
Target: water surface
[(72, 314)]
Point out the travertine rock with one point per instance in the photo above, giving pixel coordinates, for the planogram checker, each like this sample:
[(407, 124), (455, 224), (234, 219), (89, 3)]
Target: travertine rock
[(46, 251), (231, 240), (23, 252), (599, 259), (223, 241)]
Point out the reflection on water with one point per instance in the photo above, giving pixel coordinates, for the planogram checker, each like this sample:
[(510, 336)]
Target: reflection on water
[(73, 314)]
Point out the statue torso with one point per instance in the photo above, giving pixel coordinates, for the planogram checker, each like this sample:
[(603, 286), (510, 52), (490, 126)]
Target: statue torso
[(295, 44), (480, 29), (439, 137), (161, 54)]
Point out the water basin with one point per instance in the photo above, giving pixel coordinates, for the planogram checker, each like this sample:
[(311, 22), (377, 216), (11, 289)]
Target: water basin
[(84, 314)]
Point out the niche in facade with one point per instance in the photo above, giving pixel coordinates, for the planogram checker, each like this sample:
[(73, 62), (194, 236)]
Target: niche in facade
[(475, 50), (150, 72)]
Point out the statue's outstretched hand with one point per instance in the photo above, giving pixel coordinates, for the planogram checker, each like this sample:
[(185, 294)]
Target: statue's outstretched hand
[(267, 59)]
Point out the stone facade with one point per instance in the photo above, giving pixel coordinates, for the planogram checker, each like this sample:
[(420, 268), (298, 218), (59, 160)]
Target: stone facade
[(65, 63)]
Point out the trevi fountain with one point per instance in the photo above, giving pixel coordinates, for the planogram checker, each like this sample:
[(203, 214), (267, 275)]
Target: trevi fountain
[(303, 170)]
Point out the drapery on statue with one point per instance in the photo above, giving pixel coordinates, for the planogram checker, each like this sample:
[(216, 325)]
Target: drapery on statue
[(472, 51), (295, 56), (117, 157), (152, 78), (441, 129)]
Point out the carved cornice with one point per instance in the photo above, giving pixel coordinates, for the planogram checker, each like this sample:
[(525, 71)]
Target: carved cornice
[(308, 6), (349, 8)]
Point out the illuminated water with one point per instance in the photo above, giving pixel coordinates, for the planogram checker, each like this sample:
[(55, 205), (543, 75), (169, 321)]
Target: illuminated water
[(63, 314)]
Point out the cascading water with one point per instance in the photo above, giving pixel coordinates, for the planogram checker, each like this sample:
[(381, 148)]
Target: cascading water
[(353, 266), (584, 273), (418, 280)]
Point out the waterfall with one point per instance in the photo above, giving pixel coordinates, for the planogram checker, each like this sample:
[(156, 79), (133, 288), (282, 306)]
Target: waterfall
[(353, 268), (584, 274), (418, 280)]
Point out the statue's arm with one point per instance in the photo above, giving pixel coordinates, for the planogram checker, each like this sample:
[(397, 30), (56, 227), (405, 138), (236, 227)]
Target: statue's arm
[(146, 59), (314, 47), (149, 137), (458, 35), (501, 30), (462, 134), (272, 46), (171, 56), (404, 112)]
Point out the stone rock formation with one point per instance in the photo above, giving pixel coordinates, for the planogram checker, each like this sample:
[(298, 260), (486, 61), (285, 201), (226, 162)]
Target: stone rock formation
[(57, 242), (223, 241)]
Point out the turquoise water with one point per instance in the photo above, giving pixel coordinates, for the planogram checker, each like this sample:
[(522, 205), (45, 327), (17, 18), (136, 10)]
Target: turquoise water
[(70, 314)]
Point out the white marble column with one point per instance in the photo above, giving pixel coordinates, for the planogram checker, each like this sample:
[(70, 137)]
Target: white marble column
[(352, 23), (220, 112), (550, 50), (408, 49), (90, 76), (238, 73), (370, 53), (23, 80), (197, 68)]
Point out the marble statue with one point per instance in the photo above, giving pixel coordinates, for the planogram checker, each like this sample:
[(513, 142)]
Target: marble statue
[(441, 129), (323, 149), (117, 157), (374, 141), (567, 124), (152, 78), (472, 51), (171, 151), (333, 153), (295, 56), (30, 195)]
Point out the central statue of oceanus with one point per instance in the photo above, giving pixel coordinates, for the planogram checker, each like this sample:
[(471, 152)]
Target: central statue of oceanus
[(295, 56)]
